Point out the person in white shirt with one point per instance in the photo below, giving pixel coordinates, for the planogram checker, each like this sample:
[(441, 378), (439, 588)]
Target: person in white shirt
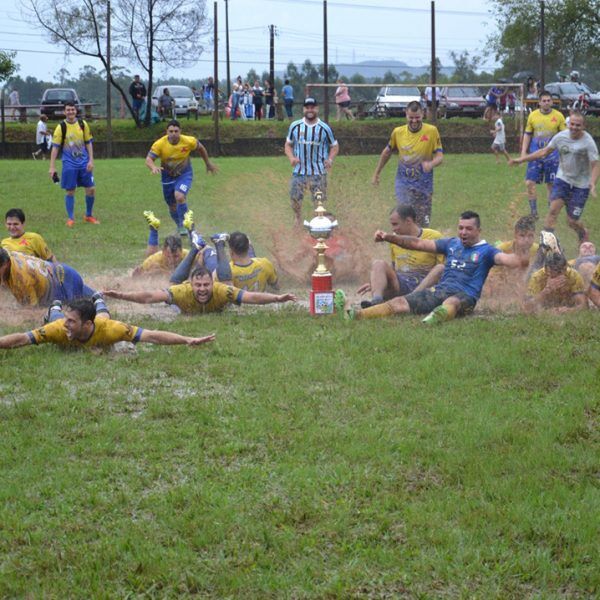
[(43, 138), (499, 143)]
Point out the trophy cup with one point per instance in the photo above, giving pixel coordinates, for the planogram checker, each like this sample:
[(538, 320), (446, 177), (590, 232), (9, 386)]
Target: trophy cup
[(320, 228)]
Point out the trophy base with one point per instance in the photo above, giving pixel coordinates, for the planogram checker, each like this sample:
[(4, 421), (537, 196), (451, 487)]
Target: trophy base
[(321, 295)]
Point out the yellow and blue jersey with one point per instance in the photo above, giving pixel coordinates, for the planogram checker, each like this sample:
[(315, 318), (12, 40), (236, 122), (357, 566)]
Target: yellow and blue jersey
[(561, 297), (543, 128), (174, 158), (415, 261), (29, 243), (74, 150), (157, 262), (182, 296), (413, 148), (29, 279), (255, 276), (106, 333)]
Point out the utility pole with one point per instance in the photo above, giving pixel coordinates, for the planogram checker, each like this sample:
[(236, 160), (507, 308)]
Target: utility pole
[(272, 54), (325, 64), (433, 66), (108, 90), (542, 45), (216, 78), (227, 48)]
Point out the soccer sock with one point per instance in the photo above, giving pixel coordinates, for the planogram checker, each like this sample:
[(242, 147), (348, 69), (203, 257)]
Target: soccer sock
[(89, 205), (174, 214), (181, 210), (153, 237), (70, 206), (223, 266), (375, 312), (533, 205), (182, 272)]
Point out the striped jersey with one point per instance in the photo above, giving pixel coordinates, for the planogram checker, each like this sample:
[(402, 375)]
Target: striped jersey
[(311, 145)]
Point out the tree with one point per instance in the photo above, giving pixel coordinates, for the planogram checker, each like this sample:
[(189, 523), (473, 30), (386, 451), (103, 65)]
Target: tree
[(572, 36), (8, 67), (465, 67), (142, 32)]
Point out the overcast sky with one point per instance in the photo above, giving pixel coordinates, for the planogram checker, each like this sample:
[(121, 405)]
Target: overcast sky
[(359, 30)]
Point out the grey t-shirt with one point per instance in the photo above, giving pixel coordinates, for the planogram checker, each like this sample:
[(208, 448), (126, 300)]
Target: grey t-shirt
[(575, 157)]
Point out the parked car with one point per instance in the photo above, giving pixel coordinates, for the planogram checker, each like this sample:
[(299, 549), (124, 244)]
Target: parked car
[(54, 100), (393, 100), (570, 93), (464, 101), (185, 102)]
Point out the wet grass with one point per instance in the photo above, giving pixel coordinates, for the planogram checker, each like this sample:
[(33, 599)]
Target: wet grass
[(297, 457)]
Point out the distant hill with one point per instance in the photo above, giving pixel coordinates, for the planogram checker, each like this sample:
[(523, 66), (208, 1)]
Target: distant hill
[(378, 68)]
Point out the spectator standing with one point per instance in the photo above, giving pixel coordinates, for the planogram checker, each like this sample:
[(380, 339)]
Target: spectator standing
[(236, 93), (257, 100), (428, 94), (246, 107), (531, 88), (342, 101), (269, 100), (42, 138), (137, 91), (14, 100), (209, 94), (165, 104), (287, 93)]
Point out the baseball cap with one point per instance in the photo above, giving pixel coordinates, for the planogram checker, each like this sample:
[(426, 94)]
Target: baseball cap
[(308, 101)]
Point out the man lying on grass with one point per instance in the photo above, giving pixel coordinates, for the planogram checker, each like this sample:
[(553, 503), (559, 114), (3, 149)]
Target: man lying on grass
[(78, 326), (200, 294), (468, 262)]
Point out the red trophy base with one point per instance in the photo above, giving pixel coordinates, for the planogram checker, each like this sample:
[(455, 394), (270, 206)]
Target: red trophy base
[(321, 294)]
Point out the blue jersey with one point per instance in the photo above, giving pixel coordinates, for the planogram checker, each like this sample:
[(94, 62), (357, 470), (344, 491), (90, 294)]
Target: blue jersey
[(311, 145), (467, 268)]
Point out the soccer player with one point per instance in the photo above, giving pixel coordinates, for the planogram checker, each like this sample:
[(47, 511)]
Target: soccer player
[(586, 261), (408, 267), (79, 326), (468, 262), (311, 149), (248, 272), (200, 294), (523, 243), (578, 171), (419, 150), (23, 241), (542, 125), (175, 168), (74, 139), (594, 289), (33, 281), (556, 286)]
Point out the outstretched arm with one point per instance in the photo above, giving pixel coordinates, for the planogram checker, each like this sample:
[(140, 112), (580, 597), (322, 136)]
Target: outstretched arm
[(266, 298), (169, 338), (406, 241), (141, 297), (512, 261), (14, 340), (541, 153)]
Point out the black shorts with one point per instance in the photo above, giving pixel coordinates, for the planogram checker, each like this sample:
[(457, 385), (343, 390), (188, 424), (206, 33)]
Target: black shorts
[(344, 104), (422, 303)]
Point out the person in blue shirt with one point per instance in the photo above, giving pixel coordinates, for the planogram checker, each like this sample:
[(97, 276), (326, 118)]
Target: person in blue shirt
[(287, 93), (468, 262)]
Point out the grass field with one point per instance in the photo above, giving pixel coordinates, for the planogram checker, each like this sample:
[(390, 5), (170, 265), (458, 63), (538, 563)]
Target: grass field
[(297, 457)]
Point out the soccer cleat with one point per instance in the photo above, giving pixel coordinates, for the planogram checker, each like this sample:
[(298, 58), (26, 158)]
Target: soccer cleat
[(91, 220), (152, 221), (366, 303), (34, 156), (438, 315), (197, 240), (188, 220), (70, 223), (55, 306), (549, 242), (219, 237), (182, 231), (339, 302)]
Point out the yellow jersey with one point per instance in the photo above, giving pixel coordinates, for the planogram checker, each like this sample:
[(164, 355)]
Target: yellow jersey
[(182, 296), (174, 158), (563, 297), (411, 261), (157, 262), (255, 276), (106, 333), (543, 128), (415, 147), (74, 151), (29, 279), (29, 243), (509, 248), (595, 282)]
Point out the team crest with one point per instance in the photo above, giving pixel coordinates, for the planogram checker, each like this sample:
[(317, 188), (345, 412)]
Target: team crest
[(475, 257), (424, 138)]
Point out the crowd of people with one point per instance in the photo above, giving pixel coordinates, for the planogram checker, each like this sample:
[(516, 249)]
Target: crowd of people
[(429, 274)]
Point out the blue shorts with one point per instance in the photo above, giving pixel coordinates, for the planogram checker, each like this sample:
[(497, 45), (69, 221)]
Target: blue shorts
[(67, 284), (542, 171), (425, 301), (573, 197), (408, 281), (181, 184), (210, 259), (73, 177)]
